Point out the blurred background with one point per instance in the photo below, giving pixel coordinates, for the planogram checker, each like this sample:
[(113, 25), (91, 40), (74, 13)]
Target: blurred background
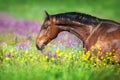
[(20, 20)]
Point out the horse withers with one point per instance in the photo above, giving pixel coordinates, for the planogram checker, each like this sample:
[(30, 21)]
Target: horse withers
[(96, 34)]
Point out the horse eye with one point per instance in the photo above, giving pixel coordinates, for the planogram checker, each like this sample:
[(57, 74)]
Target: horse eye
[(46, 26)]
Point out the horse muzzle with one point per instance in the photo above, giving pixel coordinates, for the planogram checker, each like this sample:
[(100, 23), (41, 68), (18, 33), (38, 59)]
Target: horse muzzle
[(40, 46)]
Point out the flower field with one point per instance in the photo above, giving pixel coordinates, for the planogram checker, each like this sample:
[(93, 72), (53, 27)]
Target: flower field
[(62, 59)]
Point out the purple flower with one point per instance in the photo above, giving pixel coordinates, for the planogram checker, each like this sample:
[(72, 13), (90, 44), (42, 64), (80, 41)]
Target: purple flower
[(21, 27), (9, 55), (48, 54), (23, 45), (55, 56)]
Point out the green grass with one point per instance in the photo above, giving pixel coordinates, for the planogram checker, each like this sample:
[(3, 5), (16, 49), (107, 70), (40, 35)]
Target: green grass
[(29, 64), (34, 9)]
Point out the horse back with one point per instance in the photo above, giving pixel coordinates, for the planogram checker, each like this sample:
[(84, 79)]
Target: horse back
[(107, 38)]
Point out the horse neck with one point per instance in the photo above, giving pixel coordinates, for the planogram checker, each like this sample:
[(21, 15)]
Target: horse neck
[(80, 30)]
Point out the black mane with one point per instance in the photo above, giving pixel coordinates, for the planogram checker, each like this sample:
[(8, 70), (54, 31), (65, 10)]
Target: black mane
[(77, 17)]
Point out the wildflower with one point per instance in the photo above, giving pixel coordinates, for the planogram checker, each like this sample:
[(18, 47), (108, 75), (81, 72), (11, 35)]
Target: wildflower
[(97, 59), (9, 55), (46, 57), (11, 50), (88, 54), (52, 58), (104, 64), (71, 57), (26, 52), (110, 53), (57, 50), (7, 58), (83, 57), (60, 54), (91, 58)]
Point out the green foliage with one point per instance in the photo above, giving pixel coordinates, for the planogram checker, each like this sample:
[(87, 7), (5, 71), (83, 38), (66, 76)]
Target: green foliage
[(34, 9), (7, 37), (29, 64)]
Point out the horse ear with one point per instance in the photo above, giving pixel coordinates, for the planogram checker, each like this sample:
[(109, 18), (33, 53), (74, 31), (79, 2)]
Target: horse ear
[(47, 15)]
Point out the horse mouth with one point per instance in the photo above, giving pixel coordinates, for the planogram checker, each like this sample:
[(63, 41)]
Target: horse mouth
[(40, 46)]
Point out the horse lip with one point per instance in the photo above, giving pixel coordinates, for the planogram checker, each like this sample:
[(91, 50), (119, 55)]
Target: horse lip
[(40, 46)]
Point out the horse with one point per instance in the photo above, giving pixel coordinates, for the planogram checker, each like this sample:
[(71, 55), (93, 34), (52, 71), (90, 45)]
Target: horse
[(95, 33)]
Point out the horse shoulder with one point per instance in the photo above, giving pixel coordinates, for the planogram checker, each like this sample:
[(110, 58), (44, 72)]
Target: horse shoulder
[(107, 39)]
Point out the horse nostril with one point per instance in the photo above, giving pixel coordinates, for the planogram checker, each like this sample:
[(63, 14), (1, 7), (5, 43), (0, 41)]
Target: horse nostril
[(40, 47)]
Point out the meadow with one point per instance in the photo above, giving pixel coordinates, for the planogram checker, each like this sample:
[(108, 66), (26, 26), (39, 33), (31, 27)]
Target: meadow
[(63, 58)]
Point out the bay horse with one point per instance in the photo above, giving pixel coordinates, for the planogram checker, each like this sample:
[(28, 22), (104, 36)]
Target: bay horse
[(95, 33)]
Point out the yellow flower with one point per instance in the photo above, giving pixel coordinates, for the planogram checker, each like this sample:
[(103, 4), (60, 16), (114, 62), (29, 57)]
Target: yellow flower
[(104, 64), (83, 57), (97, 60), (91, 58), (46, 57), (66, 56), (26, 52), (57, 50), (11, 50), (60, 54), (71, 57), (88, 54), (52, 58), (7, 58), (110, 53)]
